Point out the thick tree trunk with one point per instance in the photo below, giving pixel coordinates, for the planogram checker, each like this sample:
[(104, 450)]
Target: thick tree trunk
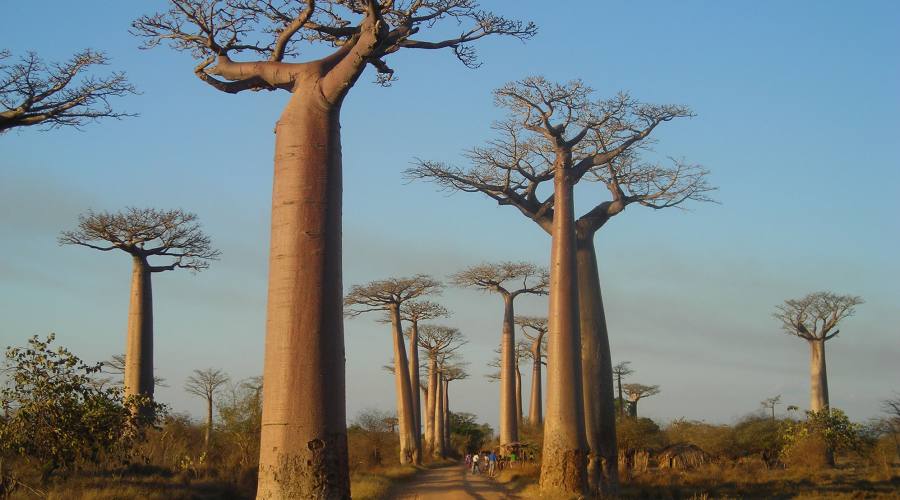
[(139, 341), (439, 446), (445, 412), (414, 383), (405, 416), (632, 409), (303, 447), (535, 408), (431, 405), (565, 454), (818, 378), (509, 429), (209, 422), (518, 396), (621, 401), (596, 367)]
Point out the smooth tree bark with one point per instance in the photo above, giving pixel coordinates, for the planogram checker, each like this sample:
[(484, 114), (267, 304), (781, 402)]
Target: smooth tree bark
[(303, 441), (58, 95), (814, 318), (560, 124), (413, 312), (205, 383), (621, 371), (535, 330), (389, 295), (440, 449), (637, 392), (144, 234), (450, 373), (438, 342), (509, 280)]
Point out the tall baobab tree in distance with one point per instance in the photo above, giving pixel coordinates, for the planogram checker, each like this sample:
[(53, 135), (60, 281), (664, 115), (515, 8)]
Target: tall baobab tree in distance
[(56, 95), (303, 443), (509, 279), (390, 295), (621, 371), (535, 330), (205, 383), (770, 403), (637, 392), (814, 318), (437, 342), (144, 234), (413, 312), (559, 133), (522, 351), (449, 373)]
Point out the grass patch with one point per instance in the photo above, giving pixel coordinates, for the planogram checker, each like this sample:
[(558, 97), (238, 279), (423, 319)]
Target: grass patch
[(377, 484)]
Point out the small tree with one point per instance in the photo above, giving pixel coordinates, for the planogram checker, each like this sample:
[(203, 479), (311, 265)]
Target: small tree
[(509, 279), (814, 318), (56, 95), (205, 383), (56, 417), (144, 234), (389, 295), (770, 403), (812, 443), (637, 392), (621, 371), (240, 418)]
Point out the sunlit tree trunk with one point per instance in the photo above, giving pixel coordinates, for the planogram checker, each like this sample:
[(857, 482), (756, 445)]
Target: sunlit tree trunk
[(509, 429), (209, 423), (439, 450), (535, 407), (445, 411), (303, 448), (597, 378), (563, 467), (408, 452), (431, 405), (818, 377), (139, 340), (518, 396), (414, 383)]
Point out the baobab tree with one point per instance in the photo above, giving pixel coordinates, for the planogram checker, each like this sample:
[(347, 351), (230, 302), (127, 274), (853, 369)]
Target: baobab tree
[(814, 318), (559, 133), (535, 330), (58, 95), (637, 392), (522, 351), (144, 234), (621, 371), (770, 403), (303, 443), (413, 312), (509, 279), (205, 383), (437, 342), (449, 373), (390, 295)]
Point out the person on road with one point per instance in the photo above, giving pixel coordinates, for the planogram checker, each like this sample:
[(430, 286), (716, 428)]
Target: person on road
[(492, 463), (475, 459)]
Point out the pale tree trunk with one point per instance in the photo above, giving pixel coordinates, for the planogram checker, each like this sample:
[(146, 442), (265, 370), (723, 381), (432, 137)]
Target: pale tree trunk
[(414, 383), (209, 423), (597, 377), (509, 429), (431, 404), (563, 468), (439, 419), (535, 408), (139, 340), (405, 417), (518, 396), (818, 378), (445, 412), (303, 443)]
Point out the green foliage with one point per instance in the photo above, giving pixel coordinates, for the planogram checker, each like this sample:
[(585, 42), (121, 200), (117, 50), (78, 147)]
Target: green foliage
[(371, 441), (57, 416), (757, 435), (240, 419), (639, 433), (812, 442), (466, 434), (716, 440)]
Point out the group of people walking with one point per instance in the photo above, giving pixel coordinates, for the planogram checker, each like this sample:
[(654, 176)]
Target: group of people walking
[(489, 462)]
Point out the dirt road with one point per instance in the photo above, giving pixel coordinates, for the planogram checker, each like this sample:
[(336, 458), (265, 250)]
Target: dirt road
[(452, 483)]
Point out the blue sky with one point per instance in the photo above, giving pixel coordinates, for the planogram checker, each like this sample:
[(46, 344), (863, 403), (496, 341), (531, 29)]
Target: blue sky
[(796, 108)]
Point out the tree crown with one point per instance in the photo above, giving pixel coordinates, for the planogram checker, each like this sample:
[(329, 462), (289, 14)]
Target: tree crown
[(636, 392), (815, 316), (384, 294), (205, 383), (508, 278)]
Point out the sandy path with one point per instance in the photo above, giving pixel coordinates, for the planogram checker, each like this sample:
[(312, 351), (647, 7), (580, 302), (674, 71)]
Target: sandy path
[(452, 483)]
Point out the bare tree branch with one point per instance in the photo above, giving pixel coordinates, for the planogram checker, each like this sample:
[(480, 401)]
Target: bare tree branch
[(815, 316)]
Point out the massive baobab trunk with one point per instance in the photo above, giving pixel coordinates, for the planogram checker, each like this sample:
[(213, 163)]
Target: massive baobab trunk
[(302, 445), (535, 407), (597, 380), (818, 378), (509, 429), (564, 454), (139, 341), (445, 412), (431, 406), (414, 384), (439, 435), (209, 424), (405, 417), (518, 396)]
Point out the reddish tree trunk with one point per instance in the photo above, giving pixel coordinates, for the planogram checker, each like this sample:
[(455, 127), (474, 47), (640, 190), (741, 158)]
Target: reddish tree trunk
[(209, 423), (303, 446), (509, 429), (445, 410), (597, 379), (431, 405), (408, 451), (563, 468), (535, 408), (139, 341), (818, 376), (414, 383), (439, 446), (518, 396)]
